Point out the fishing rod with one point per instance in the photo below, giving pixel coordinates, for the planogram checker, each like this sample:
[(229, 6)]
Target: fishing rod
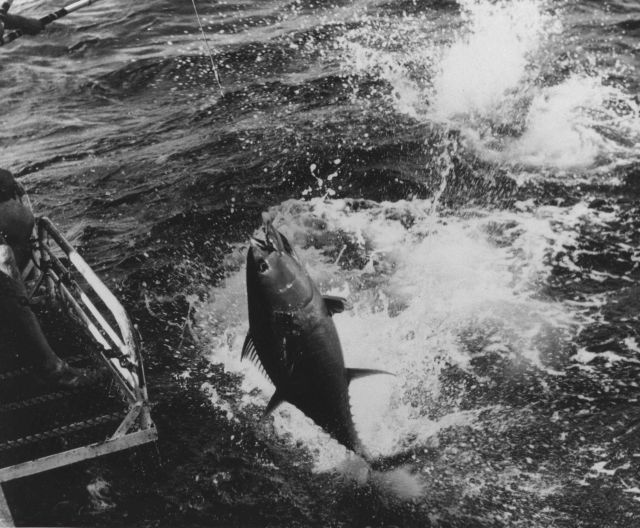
[(45, 20), (4, 9)]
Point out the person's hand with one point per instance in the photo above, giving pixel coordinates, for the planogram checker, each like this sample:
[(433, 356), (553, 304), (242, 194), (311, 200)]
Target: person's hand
[(32, 26), (29, 26)]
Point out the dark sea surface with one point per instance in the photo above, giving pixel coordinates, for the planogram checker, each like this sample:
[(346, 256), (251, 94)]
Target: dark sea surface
[(466, 173)]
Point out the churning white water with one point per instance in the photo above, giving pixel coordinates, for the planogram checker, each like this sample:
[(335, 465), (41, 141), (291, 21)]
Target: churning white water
[(491, 80), (418, 289), (490, 58), (430, 292)]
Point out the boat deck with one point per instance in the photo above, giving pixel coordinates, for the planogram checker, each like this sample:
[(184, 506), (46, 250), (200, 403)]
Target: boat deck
[(37, 420), (43, 427)]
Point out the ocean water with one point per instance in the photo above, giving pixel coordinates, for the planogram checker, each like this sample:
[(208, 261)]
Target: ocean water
[(465, 172)]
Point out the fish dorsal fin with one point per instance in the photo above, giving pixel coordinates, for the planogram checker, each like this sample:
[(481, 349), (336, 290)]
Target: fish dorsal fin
[(355, 373), (273, 404), (334, 304)]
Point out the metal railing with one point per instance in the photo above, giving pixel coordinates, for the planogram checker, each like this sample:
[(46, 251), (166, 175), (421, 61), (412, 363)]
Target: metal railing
[(54, 268), (119, 347)]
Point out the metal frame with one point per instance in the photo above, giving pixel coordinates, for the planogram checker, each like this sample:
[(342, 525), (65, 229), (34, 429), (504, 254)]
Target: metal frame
[(119, 353), (6, 518)]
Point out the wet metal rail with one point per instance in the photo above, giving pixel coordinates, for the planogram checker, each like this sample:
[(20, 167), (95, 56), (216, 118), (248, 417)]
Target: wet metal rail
[(60, 276)]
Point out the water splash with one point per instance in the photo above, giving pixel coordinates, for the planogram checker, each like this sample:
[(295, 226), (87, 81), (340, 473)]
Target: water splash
[(400, 483), (571, 125), (490, 58), (492, 81), (100, 494), (422, 287)]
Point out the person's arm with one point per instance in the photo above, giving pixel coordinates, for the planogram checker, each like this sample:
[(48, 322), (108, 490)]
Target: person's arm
[(29, 26)]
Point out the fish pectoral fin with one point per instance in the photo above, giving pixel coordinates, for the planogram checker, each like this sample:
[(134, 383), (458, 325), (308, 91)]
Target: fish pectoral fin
[(273, 404), (335, 304), (355, 373), (249, 348)]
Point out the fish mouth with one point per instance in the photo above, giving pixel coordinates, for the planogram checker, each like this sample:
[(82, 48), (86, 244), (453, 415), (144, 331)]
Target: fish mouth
[(272, 237), (261, 245), (273, 240), (260, 249)]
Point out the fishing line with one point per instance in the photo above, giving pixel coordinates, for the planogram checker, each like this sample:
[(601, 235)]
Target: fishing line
[(206, 43)]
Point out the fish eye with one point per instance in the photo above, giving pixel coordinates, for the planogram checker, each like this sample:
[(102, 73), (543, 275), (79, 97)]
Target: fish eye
[(263, 267)]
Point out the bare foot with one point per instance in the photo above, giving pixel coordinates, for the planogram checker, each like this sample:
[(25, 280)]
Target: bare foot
[(64, 376)]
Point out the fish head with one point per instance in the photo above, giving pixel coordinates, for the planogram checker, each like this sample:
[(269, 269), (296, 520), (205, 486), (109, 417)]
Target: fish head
[(277, 272)]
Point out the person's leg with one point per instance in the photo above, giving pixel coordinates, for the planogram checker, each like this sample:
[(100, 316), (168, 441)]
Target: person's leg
[(29, 338), (15, 311)]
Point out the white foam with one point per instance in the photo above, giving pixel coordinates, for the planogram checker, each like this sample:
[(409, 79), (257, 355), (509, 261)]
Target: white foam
[(217, 401), (483, 77), (100, 494), (564, 124), (490, 57), (425, 283), (584, 356), (599, 468)]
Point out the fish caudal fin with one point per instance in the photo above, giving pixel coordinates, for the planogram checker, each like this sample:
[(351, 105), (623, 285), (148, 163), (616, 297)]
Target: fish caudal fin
[(273, 404), (355, 373)]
